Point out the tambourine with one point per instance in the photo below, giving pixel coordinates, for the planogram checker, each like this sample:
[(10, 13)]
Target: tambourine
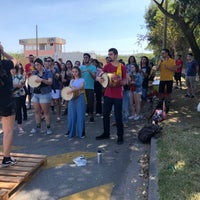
[(111, 80), (70, 96), (32, 81)]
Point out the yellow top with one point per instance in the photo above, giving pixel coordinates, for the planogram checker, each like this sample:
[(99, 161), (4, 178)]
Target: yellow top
[(167, 69)]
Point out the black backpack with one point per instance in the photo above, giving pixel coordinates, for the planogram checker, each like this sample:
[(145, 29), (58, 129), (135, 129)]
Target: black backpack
[(148, 131)]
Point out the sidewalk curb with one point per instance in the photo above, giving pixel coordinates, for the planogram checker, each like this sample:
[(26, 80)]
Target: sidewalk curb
[(153, 193)]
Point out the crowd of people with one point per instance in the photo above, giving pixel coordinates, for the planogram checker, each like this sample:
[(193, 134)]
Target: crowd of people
[(123, 88)]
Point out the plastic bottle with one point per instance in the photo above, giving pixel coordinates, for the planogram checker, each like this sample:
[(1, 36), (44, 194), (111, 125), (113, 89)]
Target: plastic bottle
[(99, 157)]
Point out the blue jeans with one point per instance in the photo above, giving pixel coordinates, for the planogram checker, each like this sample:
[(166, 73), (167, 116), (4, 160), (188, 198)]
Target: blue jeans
[(76, 116), (126, 105), (107, 107)]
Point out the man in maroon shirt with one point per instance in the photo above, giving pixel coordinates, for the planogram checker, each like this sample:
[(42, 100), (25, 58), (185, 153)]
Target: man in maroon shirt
[(113, 96)]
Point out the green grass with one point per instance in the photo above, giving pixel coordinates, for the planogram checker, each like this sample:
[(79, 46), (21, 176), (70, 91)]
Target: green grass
[(179, 151)]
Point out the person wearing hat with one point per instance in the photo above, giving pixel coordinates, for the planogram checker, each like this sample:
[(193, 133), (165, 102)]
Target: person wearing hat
[(42, 96)]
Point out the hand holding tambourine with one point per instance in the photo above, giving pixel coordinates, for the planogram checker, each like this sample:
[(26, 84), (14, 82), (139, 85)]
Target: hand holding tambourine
[(34, 81)]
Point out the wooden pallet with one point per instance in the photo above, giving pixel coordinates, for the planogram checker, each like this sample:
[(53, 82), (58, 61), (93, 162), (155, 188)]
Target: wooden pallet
[(14, 178)]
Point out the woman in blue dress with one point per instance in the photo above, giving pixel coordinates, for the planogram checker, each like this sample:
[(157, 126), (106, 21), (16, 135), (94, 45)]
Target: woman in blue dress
[(77, 105)]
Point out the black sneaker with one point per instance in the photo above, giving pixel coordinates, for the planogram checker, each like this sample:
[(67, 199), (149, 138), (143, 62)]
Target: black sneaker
[(102, 137), (67, 134), (91, 119), (8, 161), (120, 140), (187, 95)]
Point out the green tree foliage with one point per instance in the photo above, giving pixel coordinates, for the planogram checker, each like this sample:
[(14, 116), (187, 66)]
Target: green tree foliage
[(175, 38), (186, 14)]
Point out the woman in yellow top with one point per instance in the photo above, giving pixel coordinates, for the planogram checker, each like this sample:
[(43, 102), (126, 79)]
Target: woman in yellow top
[(167, 66)]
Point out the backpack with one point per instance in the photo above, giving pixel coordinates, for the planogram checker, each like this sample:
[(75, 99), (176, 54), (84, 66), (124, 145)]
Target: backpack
[(148, 131)]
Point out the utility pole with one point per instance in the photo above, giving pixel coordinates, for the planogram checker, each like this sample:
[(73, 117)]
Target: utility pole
[(36, 41), (164, 42)]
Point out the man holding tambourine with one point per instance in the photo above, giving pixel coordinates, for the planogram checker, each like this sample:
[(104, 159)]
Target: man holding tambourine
[(113, 95)]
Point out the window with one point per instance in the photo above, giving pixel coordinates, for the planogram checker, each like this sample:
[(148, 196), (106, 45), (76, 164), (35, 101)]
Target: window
[(42, 47)]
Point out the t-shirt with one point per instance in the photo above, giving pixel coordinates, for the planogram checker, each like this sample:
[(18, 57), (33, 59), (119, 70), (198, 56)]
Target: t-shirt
[(191, 68), (43, 88), (145, 69), (77, 82), (166, 74), (18, 79), (89, 81), (179, 64), (29, 69), (57, 85), (6, 84), (114, 92)]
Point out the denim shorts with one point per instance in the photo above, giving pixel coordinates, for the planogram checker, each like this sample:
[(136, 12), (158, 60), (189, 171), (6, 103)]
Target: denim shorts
[(41, 98)]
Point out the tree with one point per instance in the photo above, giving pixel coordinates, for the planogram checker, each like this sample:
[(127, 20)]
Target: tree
[(175, 38), (186, 13)]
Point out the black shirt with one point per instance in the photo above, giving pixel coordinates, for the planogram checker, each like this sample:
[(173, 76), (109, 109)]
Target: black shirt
[(6, 83)]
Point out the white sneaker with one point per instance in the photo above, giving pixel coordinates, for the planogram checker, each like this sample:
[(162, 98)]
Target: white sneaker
[(21, 131), (98, 114), (34, 131), (86, 114), (132, 117), (49, 131), (136, 117)]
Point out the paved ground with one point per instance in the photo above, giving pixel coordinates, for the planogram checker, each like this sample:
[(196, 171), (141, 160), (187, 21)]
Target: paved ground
[(119, 176)]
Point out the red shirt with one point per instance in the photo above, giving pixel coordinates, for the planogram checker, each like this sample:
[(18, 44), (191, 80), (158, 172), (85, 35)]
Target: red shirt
[(179, 64), (114, 92), (28, 69)]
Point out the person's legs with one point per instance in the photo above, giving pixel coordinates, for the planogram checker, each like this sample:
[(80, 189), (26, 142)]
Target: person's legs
[(29, 97), (107, 107), (118, 116), (90, 103), (132, 103), (162, 89), (7, 127), (188, 86), (106, 115), (137, 97), (169, 89), (98, 91), (193, 85), (71, 118), (24, 107), (80, 110), (125, 105), (46, 110), (37, 110), (18, 110)]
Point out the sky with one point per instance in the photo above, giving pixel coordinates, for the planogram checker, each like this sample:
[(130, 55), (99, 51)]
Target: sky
[(86, 25)]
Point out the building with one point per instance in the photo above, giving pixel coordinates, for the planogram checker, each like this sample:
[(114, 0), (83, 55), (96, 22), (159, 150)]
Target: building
[(42, 47), (52, 47)]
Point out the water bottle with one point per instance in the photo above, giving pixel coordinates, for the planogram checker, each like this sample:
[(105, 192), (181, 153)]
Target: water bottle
[(99, 157)]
